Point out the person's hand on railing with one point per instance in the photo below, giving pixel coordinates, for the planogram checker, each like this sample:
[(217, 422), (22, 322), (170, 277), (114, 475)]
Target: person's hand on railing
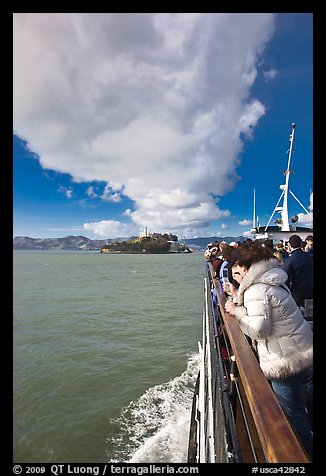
[(229, 306)]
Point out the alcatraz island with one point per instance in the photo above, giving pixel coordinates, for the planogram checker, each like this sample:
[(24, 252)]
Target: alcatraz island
[(148, 243)]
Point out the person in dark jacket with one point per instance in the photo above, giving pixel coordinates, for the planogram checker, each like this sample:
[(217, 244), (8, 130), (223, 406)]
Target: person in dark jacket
[(298, 267)]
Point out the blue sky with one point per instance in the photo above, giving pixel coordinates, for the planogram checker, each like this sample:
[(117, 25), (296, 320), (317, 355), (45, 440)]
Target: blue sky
[(168, 121)]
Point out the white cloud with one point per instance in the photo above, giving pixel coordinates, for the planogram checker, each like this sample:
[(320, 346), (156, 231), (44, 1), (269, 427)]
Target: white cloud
[(91, 192), (112, 228), (245, 222), (271, 74), (109, 196), (154, 104), (307, 218), (195, 216), (67, 191)]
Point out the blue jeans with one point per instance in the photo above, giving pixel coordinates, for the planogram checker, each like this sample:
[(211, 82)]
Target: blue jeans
[(295, 395)]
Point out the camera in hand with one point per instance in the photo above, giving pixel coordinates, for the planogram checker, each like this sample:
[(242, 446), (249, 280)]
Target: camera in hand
[(225, 274)]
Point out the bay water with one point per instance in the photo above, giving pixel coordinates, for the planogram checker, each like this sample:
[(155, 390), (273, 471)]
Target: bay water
[(105, 355)]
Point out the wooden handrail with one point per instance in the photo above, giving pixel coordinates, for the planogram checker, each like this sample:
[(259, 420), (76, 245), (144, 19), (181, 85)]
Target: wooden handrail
[(278, 440)]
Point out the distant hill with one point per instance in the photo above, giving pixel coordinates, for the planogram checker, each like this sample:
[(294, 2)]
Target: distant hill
[(66, 243), (84, 243)]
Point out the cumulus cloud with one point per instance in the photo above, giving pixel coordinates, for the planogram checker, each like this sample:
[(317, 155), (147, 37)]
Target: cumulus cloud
[(91, 192), (306, 219), (245, 222), (107, 228), (110, 196), (271, 74), (154, 104), (67, 191)]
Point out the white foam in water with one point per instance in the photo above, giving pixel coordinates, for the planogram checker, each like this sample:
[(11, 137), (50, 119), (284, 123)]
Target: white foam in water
[(155, 428), (169, 444)]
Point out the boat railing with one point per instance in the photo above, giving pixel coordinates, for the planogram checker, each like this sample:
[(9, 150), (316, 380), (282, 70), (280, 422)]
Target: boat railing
[(247, 423)]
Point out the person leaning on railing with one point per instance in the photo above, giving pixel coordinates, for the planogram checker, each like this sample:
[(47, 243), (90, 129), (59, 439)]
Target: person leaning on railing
[(268, 314)]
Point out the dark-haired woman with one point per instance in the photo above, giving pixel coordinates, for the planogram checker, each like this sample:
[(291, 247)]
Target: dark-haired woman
[(268, 314)]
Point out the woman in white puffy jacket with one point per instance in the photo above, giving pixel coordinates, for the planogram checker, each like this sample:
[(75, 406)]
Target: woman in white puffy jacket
[(268, 314)]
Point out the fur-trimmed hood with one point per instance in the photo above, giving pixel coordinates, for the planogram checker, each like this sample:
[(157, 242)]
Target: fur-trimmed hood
[(266, 272)]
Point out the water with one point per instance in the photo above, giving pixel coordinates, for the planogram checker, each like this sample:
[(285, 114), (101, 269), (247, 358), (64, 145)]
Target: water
[(105, 355)]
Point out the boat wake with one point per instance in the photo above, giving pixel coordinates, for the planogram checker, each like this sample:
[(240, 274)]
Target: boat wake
[(155, 428)]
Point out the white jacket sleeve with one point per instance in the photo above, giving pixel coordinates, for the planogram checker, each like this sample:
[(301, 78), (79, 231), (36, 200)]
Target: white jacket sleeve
[(254, 317)]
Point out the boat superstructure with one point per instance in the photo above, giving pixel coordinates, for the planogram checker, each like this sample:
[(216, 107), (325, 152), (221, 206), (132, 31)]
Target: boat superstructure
[(284, 227), (236, 417)]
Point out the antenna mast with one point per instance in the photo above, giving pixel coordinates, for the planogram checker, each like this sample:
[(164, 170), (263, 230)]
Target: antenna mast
[(284, 220), (254, 217), (285, 188), (254, 220)]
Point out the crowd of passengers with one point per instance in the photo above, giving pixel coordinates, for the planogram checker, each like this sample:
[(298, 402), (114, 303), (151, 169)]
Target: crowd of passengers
[(267, 285), (299, 267)]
